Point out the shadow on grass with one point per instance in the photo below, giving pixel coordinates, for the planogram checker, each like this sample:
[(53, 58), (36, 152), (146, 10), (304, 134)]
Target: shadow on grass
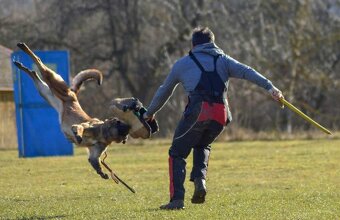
[(153, 210), (43, 217)]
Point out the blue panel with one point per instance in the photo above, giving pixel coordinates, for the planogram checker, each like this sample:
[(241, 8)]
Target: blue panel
[(38, 129)]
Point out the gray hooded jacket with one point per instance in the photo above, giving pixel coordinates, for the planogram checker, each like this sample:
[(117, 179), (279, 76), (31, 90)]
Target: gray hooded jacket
[(186, 72)]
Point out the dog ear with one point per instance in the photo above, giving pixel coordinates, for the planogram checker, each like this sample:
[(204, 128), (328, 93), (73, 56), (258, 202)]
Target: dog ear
[(77, 131)]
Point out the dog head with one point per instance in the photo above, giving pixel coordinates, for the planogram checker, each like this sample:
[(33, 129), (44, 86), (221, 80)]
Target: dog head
[(115, 130)]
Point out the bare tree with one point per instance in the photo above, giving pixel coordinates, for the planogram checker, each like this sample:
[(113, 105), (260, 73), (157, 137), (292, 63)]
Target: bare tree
[(135, 43)]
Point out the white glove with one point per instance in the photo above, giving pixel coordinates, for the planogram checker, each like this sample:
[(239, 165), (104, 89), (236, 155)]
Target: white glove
[(276, 94)]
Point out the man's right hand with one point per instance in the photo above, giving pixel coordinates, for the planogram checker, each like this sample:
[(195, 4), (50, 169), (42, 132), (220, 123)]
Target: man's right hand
[(146, 117)]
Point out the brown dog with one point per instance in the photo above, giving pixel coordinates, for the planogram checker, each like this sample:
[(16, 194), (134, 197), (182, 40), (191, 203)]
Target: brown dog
[(77, 126)]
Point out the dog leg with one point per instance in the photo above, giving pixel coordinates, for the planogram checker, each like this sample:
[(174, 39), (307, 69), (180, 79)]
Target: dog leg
[(94, 153), (123, 132), (53, 80), (41, 86), (78, 132)]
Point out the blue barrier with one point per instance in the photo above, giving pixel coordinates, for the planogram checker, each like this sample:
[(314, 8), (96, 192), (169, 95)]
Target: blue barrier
[(38, 129)]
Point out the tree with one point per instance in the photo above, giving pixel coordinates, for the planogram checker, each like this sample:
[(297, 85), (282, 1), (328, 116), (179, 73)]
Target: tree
[(135, 43)]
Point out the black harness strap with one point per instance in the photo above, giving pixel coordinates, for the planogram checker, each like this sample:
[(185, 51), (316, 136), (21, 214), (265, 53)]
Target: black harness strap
[(210, 87), (192, 56), (215, 61), (196, 61), (207, 76)]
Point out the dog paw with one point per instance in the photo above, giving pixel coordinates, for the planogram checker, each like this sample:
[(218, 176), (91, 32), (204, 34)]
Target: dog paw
[(104, 176), (18, 64), (20, 44)]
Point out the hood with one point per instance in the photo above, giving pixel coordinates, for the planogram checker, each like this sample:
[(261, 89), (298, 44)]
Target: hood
[(209, 48)]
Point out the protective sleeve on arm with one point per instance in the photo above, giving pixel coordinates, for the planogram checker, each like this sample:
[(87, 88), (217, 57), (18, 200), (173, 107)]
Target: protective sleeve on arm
[(242, 71), (164, 92)]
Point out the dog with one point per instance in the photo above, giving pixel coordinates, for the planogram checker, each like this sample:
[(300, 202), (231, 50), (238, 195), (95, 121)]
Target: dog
[(75, 123)]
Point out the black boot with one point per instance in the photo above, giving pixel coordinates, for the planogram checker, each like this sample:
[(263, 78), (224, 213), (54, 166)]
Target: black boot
[(175, 204), (200, 191)]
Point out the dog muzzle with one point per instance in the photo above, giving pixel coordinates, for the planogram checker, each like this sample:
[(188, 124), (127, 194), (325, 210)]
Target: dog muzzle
[(130, 111)]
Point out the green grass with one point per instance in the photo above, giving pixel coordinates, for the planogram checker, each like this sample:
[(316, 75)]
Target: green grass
[(246, 180)]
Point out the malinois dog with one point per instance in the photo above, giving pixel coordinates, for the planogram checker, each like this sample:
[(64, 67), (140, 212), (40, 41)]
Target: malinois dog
[(76, 125)]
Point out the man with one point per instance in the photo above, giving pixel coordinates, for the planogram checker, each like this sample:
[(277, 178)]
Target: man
[(204, 74)]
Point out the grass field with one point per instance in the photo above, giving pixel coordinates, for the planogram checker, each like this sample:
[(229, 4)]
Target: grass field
[(246, 180)]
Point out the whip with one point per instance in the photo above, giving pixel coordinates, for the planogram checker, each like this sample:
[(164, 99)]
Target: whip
[(304, 116)]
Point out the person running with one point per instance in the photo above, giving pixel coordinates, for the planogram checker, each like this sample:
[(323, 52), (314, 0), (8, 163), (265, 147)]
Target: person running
[(204, 74)]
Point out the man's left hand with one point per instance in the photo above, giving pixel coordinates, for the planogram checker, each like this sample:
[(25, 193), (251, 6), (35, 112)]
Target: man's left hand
[(276, 95)]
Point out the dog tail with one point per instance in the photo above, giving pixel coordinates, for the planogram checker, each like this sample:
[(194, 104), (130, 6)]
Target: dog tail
[(85, 75)]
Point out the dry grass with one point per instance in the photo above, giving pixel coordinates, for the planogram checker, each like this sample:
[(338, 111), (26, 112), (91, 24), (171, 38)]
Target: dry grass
[(243, 134), (295, 179)]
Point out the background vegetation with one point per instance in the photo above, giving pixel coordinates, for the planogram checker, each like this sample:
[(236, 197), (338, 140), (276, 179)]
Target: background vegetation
[(296, 44)]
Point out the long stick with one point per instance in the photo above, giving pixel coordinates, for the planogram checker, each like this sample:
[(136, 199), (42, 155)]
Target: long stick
[(297, 111)]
